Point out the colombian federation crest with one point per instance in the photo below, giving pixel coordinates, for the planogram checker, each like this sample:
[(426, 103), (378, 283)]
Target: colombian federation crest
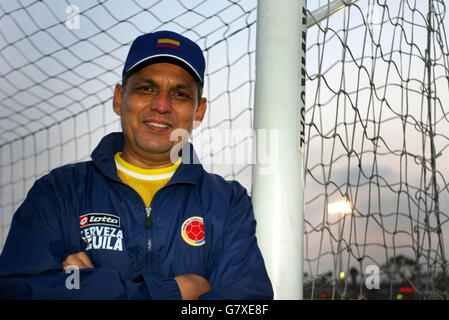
[(192, 231)]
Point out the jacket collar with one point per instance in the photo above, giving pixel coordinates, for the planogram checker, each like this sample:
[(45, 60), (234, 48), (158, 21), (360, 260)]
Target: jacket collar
[(190, 170)]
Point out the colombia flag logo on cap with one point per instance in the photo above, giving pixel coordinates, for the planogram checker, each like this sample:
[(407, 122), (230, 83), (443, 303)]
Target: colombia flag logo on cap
[(168, 43)]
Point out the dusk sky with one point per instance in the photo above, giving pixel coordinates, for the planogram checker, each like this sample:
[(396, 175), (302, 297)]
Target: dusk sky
[(367, 127)]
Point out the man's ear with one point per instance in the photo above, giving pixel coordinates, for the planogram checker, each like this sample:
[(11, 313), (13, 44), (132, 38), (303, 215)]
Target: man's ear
[(117, 99), (200, 112)]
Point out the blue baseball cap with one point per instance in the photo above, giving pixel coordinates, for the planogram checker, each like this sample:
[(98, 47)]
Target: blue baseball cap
[(166, 46)]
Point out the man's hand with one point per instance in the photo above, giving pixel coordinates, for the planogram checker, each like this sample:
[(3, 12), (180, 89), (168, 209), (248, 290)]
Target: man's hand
[(80, 260), (192, 286)]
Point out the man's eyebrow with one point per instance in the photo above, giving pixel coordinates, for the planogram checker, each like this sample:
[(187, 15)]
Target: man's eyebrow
[(152, 82), (183, 86), (146, 80)]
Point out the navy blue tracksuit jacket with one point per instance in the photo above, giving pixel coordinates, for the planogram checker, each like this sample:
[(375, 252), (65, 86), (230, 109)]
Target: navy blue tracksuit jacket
[(86, 207)]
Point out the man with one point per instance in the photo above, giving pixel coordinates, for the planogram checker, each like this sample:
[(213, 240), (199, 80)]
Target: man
[(142, 220)]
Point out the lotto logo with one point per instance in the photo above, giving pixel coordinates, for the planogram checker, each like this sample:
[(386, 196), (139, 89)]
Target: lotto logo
[(192, 231), (91, 219)]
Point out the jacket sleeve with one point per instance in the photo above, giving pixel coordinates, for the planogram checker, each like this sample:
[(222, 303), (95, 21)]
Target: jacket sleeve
[(239, 270), (37, 243)]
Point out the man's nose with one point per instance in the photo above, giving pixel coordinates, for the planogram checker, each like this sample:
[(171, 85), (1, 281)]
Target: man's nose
[(161, 103)]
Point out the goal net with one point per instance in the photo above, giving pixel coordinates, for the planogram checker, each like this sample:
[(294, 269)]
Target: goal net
[(377, 121), (377, 134)]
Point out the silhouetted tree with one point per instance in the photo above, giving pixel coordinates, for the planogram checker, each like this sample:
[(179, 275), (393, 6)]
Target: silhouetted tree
[(353, 273)]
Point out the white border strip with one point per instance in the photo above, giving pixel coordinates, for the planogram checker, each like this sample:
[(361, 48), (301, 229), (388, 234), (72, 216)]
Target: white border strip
[(165, 55), (144, 176)]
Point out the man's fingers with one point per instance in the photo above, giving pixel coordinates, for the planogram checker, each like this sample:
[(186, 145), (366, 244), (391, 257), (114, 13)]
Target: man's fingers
[(85, 259), (192, 286), (80, 260)]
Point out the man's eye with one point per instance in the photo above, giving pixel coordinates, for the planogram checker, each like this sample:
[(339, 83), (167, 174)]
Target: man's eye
[(181, 94), (145, 88)]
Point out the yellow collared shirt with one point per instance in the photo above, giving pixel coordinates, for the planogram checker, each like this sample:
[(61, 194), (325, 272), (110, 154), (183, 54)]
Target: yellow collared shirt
[(146, 182)]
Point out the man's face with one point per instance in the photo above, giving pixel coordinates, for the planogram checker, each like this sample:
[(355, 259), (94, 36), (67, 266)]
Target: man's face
[(157, 99)]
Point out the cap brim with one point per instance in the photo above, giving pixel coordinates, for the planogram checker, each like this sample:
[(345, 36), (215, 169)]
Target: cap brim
[(164, 58)]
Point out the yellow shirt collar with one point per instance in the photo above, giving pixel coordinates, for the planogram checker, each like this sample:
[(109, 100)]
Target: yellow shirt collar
[(145, 174)]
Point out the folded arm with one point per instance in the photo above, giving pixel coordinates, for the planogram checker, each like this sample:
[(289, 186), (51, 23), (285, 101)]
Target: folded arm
[(36, 253), (191, 286), (238, 271)]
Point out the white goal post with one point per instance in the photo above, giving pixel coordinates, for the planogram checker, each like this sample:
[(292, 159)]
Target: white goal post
[(278, 192)]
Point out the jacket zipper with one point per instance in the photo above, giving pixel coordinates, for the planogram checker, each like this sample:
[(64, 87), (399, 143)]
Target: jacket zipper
[(148, 221)]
